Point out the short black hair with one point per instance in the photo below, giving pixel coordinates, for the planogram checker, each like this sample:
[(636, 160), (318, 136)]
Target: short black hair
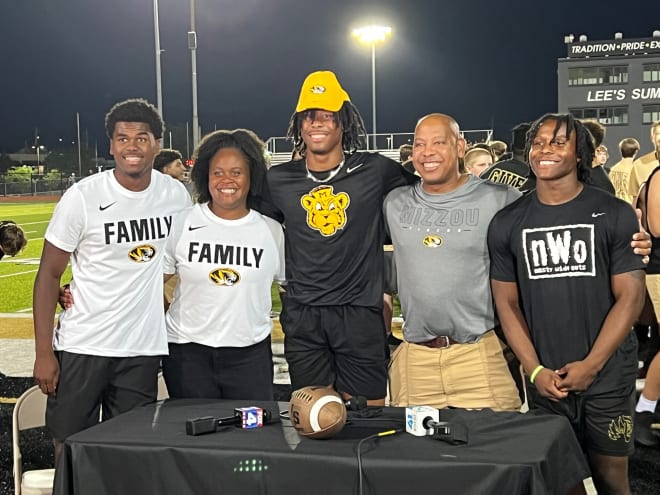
[(165, 157), (405, 152), (519, 136), (596, 129), (348, 116), (584, 142), (12, 238), (135, 110), (249, 144)]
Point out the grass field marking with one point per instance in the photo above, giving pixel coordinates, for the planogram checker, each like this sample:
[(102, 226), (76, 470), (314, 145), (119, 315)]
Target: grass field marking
[(23, 261), (17, 273), (34, 223), (14, 315), (24, 211), (24, 311)]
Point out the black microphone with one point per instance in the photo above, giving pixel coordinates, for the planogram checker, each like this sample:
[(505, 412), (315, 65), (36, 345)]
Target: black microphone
[(438, 427), (244, 417)]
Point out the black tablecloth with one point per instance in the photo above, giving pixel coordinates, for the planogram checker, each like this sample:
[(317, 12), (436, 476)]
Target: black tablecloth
[(147, 451)]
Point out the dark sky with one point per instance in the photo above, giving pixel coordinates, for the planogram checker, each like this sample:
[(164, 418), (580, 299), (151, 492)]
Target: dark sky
[(486, 63)]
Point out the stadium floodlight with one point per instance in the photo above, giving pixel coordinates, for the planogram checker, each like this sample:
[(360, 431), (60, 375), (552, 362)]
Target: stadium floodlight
[(372, 35)]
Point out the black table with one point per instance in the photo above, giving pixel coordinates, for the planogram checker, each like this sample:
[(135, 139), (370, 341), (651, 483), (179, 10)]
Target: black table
[(147, 451)]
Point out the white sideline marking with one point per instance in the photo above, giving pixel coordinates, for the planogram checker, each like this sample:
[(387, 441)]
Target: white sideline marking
[(33, 223), (17, 274), (15, 315), (22, 261)]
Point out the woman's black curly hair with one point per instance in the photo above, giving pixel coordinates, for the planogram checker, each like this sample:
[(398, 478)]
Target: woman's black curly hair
[(348, 116), (584, 142), (252, 148)]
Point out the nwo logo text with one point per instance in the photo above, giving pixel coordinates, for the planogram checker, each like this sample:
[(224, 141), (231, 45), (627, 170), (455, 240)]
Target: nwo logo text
[(566, 251)]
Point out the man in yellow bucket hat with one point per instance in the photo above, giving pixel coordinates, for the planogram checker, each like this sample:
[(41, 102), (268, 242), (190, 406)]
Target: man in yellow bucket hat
[(331, 202)]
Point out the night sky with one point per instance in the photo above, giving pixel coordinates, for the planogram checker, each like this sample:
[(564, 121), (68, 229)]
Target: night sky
[(485, 63)]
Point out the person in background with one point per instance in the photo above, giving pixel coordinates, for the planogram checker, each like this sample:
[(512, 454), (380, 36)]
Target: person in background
[(620, 172), (499, 149), (600, 157), (12, 238), (405, 152), (597, 175), (477, 159), (568, 289), (644, 165), (170, 162), (513, 169), (112, 226), (227, 256)]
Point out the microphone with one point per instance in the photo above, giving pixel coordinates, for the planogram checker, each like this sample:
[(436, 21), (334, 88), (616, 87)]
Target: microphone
[(244, 417), (422, 420)]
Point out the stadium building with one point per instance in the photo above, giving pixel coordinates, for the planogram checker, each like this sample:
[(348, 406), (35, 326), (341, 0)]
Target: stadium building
[(615, 81)]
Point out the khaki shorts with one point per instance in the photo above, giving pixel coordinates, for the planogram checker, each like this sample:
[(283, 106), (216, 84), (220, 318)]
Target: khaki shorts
[(653, 287), (469, 376)]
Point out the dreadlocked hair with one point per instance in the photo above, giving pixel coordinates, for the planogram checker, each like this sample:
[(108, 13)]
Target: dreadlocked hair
[(348, 117), (253, 150), (584, 142)]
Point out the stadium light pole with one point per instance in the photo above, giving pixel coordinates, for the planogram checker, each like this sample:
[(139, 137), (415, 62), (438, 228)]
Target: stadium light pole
[(192, 45), (159, 84), (372, 35)]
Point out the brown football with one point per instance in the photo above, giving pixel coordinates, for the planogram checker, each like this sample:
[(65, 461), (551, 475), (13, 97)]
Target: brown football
[(317, 412)]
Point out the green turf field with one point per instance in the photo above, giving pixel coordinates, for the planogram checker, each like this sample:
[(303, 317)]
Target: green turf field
[(17, 274)]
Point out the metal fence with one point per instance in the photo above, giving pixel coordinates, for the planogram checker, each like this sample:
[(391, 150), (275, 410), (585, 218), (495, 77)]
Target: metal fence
[(34, 184)]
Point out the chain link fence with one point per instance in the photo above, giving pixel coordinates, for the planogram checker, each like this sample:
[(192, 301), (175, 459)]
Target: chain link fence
[(35, 184)]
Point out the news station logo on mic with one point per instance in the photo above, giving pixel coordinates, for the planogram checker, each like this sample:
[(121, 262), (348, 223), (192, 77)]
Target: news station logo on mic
[(246, 418), (251, 417), (418, 419)]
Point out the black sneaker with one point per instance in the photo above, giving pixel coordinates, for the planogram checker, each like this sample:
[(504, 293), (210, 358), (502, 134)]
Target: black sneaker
[(644, 435)]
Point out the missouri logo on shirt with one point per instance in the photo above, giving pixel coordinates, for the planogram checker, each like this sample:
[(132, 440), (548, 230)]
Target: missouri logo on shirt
[(326, 211), (563, 251), (432, 241), (143, 253), (225, 276)]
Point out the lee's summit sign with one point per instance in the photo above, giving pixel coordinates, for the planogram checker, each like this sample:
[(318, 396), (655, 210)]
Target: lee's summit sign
[(645, 93), (614, 48)]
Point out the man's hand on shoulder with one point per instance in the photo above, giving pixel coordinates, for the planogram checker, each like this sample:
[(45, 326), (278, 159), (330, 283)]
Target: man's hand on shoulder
[(641, 242)]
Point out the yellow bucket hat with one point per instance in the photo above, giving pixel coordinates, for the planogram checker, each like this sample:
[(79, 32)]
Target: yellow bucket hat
[(321, 90)]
